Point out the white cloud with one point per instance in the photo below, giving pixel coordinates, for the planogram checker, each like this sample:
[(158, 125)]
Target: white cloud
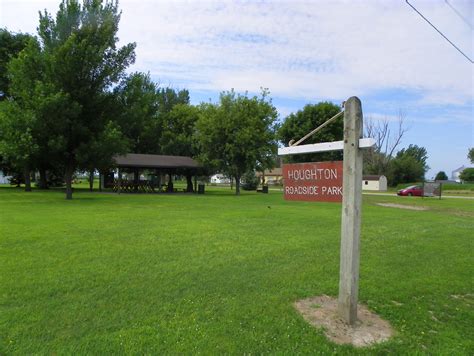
[(312, 49)]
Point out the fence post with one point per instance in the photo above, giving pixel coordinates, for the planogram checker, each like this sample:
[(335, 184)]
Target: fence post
[(351, 212)]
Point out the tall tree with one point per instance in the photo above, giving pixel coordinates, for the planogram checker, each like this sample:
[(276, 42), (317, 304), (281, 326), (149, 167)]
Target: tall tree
[(11, 44), (22, 133), (470, 155), (387, 140), (409, 165), (178, 134), (82, 64), (418, 153), (14, 157), (17, 143), (137, 112), (304, 121), (237, 133)]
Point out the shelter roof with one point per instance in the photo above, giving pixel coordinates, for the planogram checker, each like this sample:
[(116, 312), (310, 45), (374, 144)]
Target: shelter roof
[(155, 161)]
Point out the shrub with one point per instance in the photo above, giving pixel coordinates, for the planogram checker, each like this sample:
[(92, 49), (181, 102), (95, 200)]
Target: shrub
[(467, 175), (250, 181)]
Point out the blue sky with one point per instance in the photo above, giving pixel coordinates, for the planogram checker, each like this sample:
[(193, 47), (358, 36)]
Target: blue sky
[(310, 51)]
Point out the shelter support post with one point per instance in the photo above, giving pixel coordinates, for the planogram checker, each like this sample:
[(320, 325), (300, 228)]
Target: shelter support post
[(101, 180), (136, 179), (351, 212), (119, 180)]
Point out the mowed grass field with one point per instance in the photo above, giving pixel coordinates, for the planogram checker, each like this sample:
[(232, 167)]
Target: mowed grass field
[(215, 273)]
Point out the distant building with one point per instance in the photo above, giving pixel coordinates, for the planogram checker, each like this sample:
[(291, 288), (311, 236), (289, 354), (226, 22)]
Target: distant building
[(272, 176), (4, 179), (219, 179), (455, 174), (374, 182)]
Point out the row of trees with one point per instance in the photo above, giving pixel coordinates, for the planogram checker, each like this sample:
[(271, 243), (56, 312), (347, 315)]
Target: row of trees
[(67, 105)]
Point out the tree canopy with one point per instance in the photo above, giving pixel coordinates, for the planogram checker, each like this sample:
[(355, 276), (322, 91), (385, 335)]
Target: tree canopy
[(238, 134), (298, 124), (70, 96), (441, 175), (11, 45), (467, 175), (409, 165)]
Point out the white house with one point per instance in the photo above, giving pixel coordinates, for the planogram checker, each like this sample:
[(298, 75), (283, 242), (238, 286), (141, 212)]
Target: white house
[(455, 174), (374, 182), (219, 179), (4, 179)]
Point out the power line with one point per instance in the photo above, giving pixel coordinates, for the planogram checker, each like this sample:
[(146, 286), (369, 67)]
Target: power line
[(459, 14), (446, 38)]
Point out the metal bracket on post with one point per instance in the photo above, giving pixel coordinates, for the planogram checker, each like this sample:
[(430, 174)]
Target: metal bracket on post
[(351, 212)]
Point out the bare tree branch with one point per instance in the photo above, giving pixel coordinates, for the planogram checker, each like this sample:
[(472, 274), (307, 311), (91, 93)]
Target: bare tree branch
[(386, 142)]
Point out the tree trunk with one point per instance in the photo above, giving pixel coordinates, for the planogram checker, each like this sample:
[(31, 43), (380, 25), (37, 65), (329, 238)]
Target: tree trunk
[(101, 180), (170, 184), (189, 181), (231, 183), (43, 180), (237, 185), (27, 180), (91, 180), (68, 179)]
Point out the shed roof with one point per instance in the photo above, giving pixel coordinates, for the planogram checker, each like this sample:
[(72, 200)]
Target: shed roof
[(155, 161), (372, 177)]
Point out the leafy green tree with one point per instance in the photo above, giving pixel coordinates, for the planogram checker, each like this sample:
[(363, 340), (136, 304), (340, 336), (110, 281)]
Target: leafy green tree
[(17, 143), (470, 155), (11, 44), (137, 112), (405, 169), (250, 181), (418, 153), (237, 133), (409, 165), (297, 125), (467, 175), (178, 134), (13, 160), (82, 63), (168, 98), (441, 175)]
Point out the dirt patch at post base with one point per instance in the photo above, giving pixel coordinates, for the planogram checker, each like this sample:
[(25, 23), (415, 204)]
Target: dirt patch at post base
[(321, 312)]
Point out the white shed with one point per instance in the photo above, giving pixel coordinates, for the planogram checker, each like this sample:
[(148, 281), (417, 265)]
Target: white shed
[(374, 182)]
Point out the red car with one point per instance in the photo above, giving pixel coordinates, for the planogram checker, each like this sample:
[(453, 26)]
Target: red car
[(413, 190)]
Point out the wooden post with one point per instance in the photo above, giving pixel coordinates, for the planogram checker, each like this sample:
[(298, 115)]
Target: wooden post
[(351, 212)]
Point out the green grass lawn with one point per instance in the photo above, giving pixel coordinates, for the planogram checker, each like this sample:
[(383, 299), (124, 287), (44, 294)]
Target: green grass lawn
[(215, 273)]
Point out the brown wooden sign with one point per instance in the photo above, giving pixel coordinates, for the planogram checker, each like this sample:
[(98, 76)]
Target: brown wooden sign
[(313, 181)]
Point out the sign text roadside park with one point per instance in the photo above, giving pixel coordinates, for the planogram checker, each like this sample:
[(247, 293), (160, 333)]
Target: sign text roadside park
[(313, 181)]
